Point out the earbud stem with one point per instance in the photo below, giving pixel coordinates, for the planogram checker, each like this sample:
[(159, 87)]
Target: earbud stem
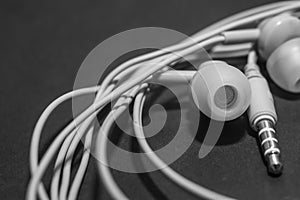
[(241, 36), (173, 76)]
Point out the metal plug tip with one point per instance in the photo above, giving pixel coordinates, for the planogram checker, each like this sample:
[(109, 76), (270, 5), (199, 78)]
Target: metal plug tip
[(275, 165)]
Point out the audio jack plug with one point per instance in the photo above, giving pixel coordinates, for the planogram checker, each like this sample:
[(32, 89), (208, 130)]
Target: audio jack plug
[(269, 145), (262, 115)]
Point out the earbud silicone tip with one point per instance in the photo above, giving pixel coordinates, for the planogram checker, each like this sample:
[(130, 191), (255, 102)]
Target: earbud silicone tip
[(284, 66), (220, 91), (275, 31)]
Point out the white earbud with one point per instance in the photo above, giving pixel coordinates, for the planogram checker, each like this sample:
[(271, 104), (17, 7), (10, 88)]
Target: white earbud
[(276, 31), (284, 65), (220, 91), (279, 44)]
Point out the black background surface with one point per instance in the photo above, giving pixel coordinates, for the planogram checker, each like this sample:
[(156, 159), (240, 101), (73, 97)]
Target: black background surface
[(42, 46)]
